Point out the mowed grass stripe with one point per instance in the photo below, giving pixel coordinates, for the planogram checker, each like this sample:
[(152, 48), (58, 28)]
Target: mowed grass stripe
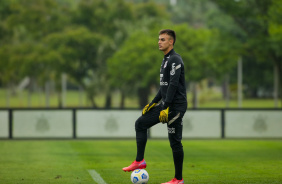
[(206, 161), (40, 162)]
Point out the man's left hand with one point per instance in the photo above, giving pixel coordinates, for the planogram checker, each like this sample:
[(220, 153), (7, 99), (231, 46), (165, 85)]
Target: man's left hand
[(164, 115)]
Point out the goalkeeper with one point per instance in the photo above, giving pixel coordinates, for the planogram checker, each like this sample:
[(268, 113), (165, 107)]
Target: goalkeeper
[(168, 106)]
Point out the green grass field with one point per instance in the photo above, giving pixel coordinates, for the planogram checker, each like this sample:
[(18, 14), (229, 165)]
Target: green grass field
[(206, 161)]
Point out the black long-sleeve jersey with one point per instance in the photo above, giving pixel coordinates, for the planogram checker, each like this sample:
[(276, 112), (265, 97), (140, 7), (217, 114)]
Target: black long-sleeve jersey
[(172, 83)]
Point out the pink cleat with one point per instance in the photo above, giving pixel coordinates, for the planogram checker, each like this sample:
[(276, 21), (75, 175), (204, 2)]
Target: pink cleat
[(175, 181), (135, 165)]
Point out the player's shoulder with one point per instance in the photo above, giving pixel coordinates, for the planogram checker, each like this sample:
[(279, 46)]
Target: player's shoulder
[(175, 57)]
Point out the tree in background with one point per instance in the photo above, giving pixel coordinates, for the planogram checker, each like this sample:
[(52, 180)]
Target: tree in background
[(115, 20), (192, 45), (256, 19), (219, 46), (243, 28), (27, 23), (80, 57), (84, 38), (275, 32), (136, 64), (37, 31), (134, 68)]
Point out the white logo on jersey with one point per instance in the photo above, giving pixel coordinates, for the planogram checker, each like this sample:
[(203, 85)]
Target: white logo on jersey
[(173, 68), (161, 80), (165, 64), (172, 72)]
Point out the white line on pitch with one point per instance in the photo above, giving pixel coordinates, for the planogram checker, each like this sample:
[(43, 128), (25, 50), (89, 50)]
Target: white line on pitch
[(96, 177)]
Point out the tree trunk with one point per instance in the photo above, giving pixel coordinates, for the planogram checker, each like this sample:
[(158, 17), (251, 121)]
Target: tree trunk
[(122, 99), (47, 93), (276, 86), (226, 91), (93, 103), (143, 96), (240, 82), (279, 67), (80, 100), (60, 100), (108, 102), (194, 95), (8, 95), (63, 89), (30, 91), (278, 73)]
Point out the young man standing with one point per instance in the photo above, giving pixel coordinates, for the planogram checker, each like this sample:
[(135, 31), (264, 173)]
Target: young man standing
[(168, 106)]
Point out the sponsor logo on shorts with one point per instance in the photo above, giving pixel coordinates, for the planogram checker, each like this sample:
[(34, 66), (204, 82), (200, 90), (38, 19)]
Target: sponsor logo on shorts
[(171, 130)]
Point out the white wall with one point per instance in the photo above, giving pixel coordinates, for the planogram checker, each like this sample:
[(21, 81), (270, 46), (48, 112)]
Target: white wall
[(196, 124), (52, 123), (253, 124), (42, 124), (106, 123), (4, 124)]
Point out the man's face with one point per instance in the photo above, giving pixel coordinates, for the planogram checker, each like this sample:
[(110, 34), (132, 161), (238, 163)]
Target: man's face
[(165, 42)]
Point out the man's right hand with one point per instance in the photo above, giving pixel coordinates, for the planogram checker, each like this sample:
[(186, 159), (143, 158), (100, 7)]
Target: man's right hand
[(148, 107)]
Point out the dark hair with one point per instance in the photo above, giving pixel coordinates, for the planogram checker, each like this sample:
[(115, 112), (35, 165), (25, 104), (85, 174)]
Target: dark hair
[(168, 32)]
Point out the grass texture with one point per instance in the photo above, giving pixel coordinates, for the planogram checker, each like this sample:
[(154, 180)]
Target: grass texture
[(206, 161)]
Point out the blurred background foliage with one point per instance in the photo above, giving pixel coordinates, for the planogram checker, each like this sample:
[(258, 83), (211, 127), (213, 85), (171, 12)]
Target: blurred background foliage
[(109, 47)]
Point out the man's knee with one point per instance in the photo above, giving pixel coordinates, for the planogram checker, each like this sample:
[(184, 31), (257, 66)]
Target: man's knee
[(176, 146), (175, 138), (138, 124)]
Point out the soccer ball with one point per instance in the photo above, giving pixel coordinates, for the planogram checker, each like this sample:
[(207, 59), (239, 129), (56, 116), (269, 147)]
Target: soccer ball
[(139, 176)]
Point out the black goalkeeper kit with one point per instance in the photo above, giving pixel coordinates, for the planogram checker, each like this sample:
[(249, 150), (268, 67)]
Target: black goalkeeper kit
[(172, 94)]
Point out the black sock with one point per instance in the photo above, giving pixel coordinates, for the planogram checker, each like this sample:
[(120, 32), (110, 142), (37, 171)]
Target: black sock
[(141, 140), (178, 157)]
